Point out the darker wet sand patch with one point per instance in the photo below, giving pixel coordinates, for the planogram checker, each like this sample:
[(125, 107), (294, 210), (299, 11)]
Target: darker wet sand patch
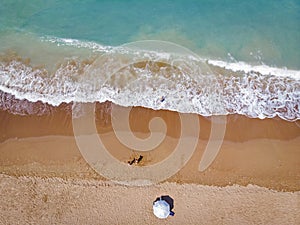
[(260, 152)]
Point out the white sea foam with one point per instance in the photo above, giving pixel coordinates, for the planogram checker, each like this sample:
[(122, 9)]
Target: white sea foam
[(77, 43), (190, 87), (262, 69)]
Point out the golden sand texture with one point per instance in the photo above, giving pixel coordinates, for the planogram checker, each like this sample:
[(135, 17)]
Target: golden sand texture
[(259, 152), (255, 178), (34, 200), (58, 156)]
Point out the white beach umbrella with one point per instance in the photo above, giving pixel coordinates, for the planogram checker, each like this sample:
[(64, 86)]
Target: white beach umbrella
[(161, 209)]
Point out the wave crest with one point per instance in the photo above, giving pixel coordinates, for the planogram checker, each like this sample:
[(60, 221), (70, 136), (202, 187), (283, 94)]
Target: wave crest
[(184, 85)]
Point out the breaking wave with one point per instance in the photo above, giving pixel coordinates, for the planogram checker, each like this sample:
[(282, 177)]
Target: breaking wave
[(152, 79)]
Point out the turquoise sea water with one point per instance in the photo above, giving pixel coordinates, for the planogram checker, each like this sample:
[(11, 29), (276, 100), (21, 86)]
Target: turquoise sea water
[(270, 30), (260, 36)]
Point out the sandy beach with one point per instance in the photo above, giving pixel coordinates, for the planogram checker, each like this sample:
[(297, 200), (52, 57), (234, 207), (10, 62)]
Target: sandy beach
[(35, 200), (44, 178)]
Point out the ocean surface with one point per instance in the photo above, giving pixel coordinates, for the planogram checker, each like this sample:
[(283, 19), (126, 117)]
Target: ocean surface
[(207, 57)]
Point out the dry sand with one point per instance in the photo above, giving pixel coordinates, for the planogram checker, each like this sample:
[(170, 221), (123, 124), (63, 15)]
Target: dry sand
[(33, 200), (255, 179)]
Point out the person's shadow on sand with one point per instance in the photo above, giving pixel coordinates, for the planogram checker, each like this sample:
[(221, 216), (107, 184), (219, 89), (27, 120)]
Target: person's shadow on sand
[(169, 200)]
